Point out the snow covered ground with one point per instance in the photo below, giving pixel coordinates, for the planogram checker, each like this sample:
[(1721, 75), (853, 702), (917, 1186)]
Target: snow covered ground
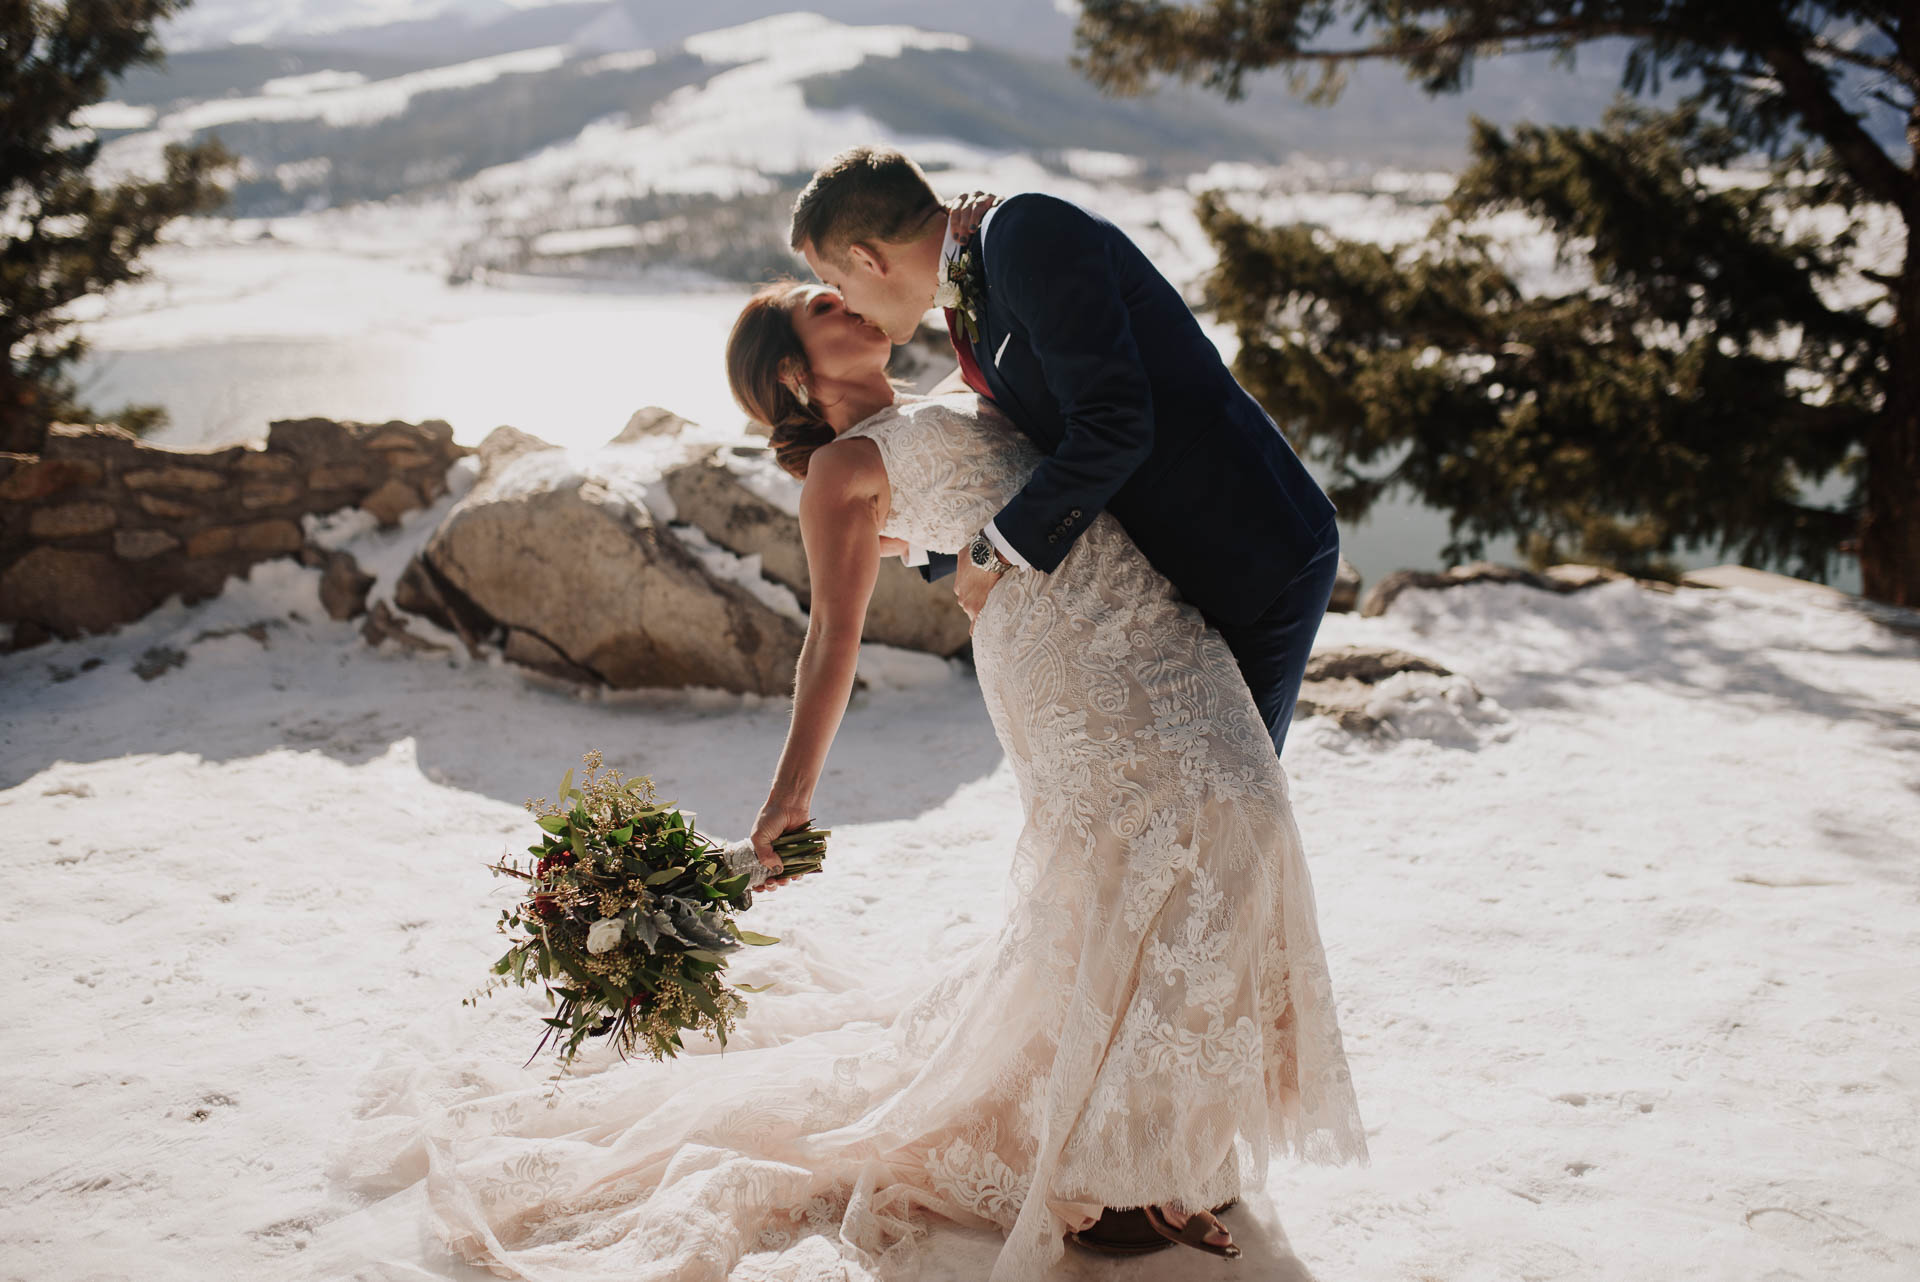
[(1628, 963)]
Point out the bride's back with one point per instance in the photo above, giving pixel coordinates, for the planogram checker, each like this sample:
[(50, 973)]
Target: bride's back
[(952, 462)]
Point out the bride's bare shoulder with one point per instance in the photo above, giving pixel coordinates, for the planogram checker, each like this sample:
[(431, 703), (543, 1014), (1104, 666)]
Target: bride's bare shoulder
[(849, 468)]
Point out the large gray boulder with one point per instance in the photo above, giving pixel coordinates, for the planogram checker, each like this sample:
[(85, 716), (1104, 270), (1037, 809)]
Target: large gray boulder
[(742, 501), (564, 558)]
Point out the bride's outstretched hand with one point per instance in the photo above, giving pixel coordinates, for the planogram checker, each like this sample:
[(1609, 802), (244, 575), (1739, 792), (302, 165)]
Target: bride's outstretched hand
[(964, 214), (776, 819)]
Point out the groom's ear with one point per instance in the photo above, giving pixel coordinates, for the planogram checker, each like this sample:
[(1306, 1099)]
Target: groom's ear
[(869, 258)]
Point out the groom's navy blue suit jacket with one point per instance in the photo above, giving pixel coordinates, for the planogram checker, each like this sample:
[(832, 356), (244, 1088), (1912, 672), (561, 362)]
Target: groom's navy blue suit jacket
[(1094, 355)]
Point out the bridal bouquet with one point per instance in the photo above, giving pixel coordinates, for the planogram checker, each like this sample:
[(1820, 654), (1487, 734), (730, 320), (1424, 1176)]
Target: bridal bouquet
[(628, 916)]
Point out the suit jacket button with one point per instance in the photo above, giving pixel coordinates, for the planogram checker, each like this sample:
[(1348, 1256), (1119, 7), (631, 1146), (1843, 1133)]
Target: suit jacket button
[(1075, 513), (1053, 538)]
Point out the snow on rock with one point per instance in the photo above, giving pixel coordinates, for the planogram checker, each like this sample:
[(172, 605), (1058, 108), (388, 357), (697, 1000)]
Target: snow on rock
[(744, 571), (760, 474), (1387, 692)]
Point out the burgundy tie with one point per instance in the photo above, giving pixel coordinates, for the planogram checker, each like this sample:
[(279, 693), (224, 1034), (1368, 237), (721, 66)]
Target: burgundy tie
[(969, 368)]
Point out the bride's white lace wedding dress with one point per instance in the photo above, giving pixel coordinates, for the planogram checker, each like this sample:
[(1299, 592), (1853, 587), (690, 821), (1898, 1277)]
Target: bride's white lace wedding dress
[(1152, 1021)]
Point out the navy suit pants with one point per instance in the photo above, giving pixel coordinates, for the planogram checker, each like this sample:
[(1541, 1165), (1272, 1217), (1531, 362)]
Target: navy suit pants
[(1272, 650)]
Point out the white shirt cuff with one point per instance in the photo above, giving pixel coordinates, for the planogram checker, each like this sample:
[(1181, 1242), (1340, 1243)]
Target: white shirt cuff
[(1005, 548), (914, 556)]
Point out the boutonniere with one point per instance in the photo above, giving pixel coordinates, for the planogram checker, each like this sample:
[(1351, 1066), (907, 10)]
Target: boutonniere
[(960, 289)]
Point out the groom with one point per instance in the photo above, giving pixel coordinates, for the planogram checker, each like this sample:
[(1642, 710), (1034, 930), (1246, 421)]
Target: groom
[(1093, 355)]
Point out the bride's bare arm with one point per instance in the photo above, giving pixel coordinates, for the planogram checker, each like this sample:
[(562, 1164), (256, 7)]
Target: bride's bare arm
[(842, 507)]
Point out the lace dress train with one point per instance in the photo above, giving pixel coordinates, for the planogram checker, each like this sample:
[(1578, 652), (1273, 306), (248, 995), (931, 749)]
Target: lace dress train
[(1152, 1022)]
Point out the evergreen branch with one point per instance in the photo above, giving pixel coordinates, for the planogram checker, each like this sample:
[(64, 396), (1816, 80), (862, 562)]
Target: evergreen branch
[(1881, 96), (1232, 42), (1808, 88), (1528, 39), (1872, 62)]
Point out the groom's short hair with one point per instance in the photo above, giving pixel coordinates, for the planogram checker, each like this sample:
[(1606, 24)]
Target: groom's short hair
[(864, 194)]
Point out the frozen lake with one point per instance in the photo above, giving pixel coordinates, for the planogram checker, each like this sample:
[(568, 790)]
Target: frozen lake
[(229, 338)]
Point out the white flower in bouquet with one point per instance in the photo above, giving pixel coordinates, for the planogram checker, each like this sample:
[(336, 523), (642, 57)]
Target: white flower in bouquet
[(603, 935), (948, 295)]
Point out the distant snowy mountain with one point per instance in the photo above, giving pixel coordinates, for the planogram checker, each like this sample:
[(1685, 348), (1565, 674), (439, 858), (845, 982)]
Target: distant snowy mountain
[(1380, 119), (462, 27), (696, 145), (674, 136)]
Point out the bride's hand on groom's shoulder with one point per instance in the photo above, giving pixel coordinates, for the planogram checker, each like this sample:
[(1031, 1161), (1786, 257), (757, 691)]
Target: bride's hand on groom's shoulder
[(964, 214), (893, 547)]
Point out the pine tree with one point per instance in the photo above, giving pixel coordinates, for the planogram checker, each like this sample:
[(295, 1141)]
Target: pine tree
[(62, 235), (1729, 350)]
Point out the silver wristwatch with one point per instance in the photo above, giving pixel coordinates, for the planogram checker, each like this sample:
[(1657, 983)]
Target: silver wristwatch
[(985, 556)]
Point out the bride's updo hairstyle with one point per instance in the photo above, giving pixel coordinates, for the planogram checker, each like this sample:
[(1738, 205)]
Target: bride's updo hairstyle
[(764, 354)]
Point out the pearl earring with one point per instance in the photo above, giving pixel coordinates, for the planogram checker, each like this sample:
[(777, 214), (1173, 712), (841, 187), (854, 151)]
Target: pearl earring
[(800, 393)]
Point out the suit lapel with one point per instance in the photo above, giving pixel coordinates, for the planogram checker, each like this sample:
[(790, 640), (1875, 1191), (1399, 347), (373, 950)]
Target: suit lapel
[(983, 350)]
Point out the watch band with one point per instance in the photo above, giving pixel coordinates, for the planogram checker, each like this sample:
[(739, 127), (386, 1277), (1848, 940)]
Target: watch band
[(991, 560)]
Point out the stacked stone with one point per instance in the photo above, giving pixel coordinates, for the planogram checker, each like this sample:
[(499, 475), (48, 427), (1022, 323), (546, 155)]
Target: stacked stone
[(100, 527)]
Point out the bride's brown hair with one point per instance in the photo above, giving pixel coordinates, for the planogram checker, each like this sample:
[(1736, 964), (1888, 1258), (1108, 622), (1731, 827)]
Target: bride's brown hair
[(764, 354)]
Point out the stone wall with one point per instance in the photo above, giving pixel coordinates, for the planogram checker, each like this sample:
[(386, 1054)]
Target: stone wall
[(100, 527)]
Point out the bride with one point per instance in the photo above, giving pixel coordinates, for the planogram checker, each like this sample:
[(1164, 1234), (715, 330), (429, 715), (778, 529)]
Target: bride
[(1159, 988), (1152, 1021)]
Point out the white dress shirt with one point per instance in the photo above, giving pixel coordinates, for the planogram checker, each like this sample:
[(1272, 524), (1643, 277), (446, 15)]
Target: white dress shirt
[(948, 249)]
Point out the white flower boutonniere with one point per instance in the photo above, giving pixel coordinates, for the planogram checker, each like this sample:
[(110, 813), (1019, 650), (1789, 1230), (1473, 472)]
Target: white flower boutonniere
[(959, 291)]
